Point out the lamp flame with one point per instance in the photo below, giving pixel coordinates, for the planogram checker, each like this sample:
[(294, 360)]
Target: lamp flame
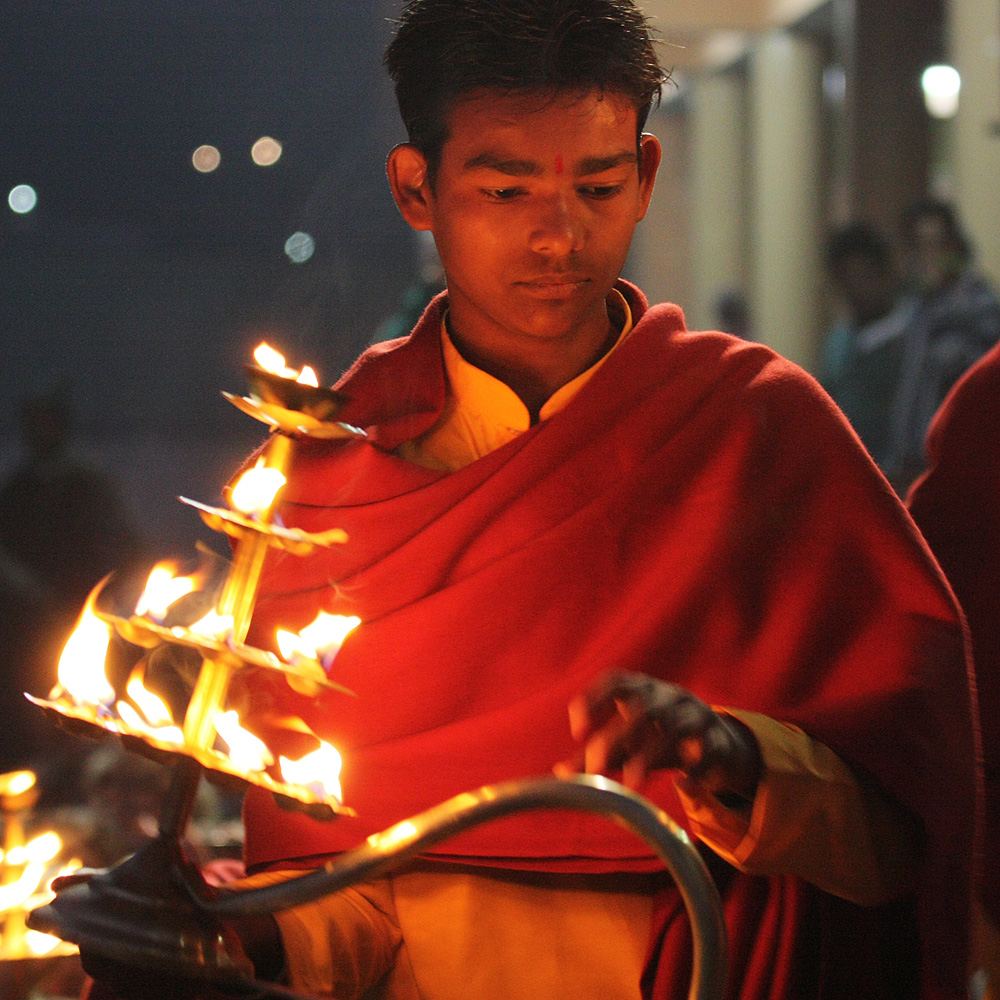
[(162, 589), (15, 894), (256, 489), (308, 377), (16, 782), (272, 361), (320, 768), (39, 943), (151, 705), (81, 665), (246, 751), (213, 625), (320, 640), (35, 857), (135, 722)]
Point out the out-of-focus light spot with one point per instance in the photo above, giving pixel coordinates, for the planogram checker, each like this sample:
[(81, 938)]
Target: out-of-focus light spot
[(723, 48), (266, 151), (22, 198), (206, 159), (299, 247), (835, 84), (941, 86)]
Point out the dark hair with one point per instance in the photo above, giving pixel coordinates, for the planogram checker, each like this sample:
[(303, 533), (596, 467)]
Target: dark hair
[(934, 208), (447, 49), (858, 239)]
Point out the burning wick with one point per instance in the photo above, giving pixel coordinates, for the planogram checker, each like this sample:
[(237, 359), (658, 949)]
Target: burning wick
[(308, 377), (321, 640), (162, 590), (256, 489), (274, 362), (318, 771), (81, 665), (246, 751), (155, 719)]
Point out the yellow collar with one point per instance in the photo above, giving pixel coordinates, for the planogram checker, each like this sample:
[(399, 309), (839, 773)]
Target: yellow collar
[(494, 402)]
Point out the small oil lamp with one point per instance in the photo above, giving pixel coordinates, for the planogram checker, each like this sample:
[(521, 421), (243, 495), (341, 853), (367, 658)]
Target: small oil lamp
[(27, 869), (154, 911)]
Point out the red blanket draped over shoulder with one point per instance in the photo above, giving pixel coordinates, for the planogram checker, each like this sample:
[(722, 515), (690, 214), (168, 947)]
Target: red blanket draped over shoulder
[(699, 512), (956, 503)]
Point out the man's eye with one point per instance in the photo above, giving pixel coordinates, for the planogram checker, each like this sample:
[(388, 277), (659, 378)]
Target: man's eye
[(503, 194), (600, 190)]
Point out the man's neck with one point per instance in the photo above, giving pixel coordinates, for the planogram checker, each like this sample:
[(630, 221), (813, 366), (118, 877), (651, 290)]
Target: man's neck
[(538, 369)]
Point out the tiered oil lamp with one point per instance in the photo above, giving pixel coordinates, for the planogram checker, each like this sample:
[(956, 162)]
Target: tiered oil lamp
[(154, 911), (292, 404), (27, 869)]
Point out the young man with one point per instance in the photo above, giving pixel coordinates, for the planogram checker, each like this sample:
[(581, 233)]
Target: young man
[(559, 480)]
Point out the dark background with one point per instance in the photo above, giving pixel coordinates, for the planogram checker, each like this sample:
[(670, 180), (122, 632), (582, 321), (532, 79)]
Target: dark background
[(140, 285)]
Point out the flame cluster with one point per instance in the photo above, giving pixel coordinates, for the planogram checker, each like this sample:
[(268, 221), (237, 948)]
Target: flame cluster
[(83, 679)]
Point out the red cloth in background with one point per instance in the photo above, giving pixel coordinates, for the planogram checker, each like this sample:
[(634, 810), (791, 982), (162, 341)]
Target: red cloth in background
[(700, 512), (957, 507)]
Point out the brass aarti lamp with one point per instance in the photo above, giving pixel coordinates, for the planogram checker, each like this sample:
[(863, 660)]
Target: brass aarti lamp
[(154, 911)]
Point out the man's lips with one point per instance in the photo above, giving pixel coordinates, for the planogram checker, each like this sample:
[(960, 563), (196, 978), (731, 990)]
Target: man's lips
[(554, 285)]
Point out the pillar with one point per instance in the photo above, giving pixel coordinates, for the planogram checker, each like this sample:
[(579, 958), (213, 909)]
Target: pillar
[(786, 239), (974, 44), (718, 192)]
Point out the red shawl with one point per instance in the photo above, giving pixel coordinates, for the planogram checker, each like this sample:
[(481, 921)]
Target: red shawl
[(700, 512), (956, 504)]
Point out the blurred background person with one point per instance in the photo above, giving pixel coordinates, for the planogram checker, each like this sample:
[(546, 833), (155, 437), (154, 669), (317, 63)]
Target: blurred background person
[(862, 353), (732, 314), (955, 320)]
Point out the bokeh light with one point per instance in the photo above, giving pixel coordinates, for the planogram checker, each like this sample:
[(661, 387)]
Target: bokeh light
[(22, 198), (206, 159), (941, 86), (266, 151), (299, 247)]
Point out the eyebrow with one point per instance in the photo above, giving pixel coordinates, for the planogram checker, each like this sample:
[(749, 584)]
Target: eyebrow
[(598, 164), (513, 167), (503, 165)]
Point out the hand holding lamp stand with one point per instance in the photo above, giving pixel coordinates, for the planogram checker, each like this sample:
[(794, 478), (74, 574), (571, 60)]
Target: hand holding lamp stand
[(154, 911)]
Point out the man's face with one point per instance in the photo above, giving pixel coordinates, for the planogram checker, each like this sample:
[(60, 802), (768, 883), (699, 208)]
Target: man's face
[(868, 286), (533, 209)]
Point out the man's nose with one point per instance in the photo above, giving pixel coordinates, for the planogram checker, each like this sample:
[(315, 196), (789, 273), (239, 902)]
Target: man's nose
[(559, 228)]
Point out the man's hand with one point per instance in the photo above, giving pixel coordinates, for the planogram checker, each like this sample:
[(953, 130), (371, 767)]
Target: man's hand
[(635, 724)]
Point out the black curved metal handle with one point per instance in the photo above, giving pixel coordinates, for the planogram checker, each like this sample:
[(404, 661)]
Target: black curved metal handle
[(385, 851)]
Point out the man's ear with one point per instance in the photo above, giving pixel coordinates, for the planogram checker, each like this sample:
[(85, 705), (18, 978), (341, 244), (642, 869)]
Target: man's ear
[(651, 152), (407, 170)]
